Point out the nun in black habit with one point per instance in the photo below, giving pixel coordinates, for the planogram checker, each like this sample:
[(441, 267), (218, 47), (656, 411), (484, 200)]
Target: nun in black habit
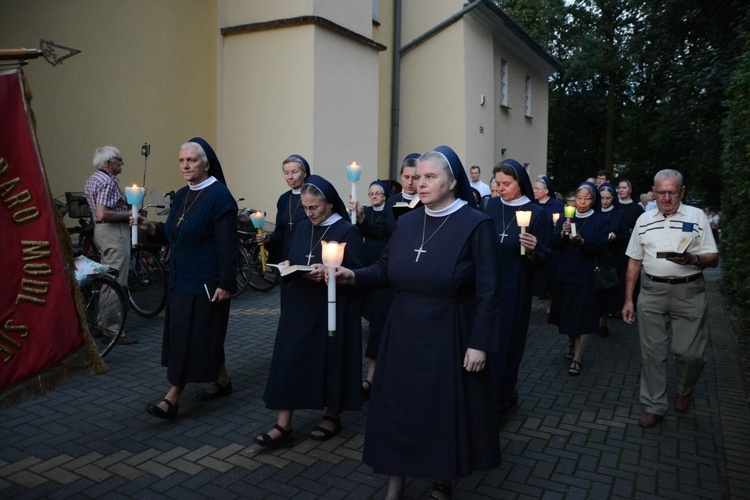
[(309, 368), (574, 306), (289, 210), (371, 220), (432, 411), (516, 194), (202, 233)]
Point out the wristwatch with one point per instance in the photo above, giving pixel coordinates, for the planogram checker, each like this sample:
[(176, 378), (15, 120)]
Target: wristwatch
[(697, 260)]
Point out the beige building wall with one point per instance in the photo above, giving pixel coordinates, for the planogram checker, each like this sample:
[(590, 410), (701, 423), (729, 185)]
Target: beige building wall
[(298, 89), (383, 34), (146, 73)]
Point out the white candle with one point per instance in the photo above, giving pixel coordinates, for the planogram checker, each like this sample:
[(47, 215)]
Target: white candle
[(333, 255), (134, 195), (523, 219), (353, 172)]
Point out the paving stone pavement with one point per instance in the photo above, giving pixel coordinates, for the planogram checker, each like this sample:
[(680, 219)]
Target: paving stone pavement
[(570, 437)]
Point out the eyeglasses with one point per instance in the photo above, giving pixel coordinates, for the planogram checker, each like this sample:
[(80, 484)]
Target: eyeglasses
[(117, 158), (377, 193), (672, 194), (584, 198)]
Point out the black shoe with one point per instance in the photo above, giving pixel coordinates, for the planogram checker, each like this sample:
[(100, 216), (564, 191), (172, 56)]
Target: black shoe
[(170, 414), (326, 434), (508, 405), (267, 442), (221, 390)]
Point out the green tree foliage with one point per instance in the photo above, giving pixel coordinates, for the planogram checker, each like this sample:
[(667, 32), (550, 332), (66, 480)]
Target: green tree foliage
[(735, 223), (643, 85)]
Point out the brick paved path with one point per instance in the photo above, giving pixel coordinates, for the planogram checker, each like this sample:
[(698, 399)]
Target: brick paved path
[(568, 438)]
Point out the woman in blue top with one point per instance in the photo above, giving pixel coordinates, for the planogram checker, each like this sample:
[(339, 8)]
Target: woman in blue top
[(201, 230)]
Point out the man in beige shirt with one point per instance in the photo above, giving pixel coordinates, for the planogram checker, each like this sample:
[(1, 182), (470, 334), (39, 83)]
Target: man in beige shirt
[(672, 245)]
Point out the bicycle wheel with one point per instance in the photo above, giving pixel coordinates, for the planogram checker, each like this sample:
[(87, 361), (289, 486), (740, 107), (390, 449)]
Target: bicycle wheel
[(243, 270), (105, 307), (147, 283), (258, 279)]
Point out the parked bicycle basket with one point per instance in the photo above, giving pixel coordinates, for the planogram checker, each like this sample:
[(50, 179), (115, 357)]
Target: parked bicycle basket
[(78, 207)]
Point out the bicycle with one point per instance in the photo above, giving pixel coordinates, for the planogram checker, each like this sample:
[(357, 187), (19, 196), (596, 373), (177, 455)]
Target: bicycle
[(147, 278), (249, 264), (105, 308)]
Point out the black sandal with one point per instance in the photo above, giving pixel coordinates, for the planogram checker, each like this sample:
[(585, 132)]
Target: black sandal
[(366, 386), (440, 491), (266, 441), (575, 369), (326, 434), (571, 352), (170, 414), (221, 390)]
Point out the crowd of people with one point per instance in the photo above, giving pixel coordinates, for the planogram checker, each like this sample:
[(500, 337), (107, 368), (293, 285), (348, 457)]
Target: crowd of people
[(446, 286)]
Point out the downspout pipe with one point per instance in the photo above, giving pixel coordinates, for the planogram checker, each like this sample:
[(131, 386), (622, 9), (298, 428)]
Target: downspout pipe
[(396, 83)]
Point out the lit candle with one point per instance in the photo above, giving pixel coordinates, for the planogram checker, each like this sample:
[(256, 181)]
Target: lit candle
[(333, 256), (353, 172), (523, 219), (570, 212), (134, 195), (259, 220), (555, 218)]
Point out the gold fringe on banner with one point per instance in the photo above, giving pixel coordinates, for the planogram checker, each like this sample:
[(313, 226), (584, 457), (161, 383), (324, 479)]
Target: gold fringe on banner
[(87, 356)]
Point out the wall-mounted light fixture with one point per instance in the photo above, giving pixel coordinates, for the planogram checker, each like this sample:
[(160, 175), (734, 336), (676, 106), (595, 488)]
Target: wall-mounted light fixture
[(502, 151)]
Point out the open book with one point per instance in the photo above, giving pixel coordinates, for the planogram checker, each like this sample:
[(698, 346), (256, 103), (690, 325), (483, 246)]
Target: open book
[(401, 207), (293, 268), (682, 246)]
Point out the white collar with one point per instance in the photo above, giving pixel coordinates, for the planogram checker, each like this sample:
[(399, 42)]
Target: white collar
[(517, 202), (204, 184), (453, 207), (331, 220), (608, 209), (379, 209), (408, 196), (626, 202), (584, 215), (296, 191)]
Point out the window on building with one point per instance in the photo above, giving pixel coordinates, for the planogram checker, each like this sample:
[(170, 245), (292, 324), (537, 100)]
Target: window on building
[(527, 106), (503, 83), (376, 11)]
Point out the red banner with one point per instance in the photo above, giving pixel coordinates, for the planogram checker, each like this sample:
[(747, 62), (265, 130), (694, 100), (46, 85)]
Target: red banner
[(39, 328)]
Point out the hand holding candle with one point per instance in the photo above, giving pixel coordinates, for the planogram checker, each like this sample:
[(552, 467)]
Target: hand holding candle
[(333, 256), (135, 195), (353, 173), (259, 221), (523, 219)]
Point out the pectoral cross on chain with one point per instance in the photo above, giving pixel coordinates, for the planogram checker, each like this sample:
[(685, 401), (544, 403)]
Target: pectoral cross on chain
[(309, 256), (291, 225), (502, 236), (180, 220), (419, 252)]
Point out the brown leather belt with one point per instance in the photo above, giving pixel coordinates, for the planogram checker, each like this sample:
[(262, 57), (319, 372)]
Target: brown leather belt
[(675, 281)]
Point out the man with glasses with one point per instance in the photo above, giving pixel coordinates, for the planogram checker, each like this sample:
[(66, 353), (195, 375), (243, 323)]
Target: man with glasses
[(111, 229), (673, 245)]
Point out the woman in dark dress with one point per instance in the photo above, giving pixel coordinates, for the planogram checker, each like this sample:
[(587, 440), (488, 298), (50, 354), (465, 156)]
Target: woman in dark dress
[(309, 368), (517, 270), (432, 411), (611, 301), (371, 220), (202, 234), (573, 307), (544, 192), (289, 210), (632, 209)]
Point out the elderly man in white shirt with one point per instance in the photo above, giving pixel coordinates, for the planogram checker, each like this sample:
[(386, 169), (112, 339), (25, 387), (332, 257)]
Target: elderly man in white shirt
[(673, 245)]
